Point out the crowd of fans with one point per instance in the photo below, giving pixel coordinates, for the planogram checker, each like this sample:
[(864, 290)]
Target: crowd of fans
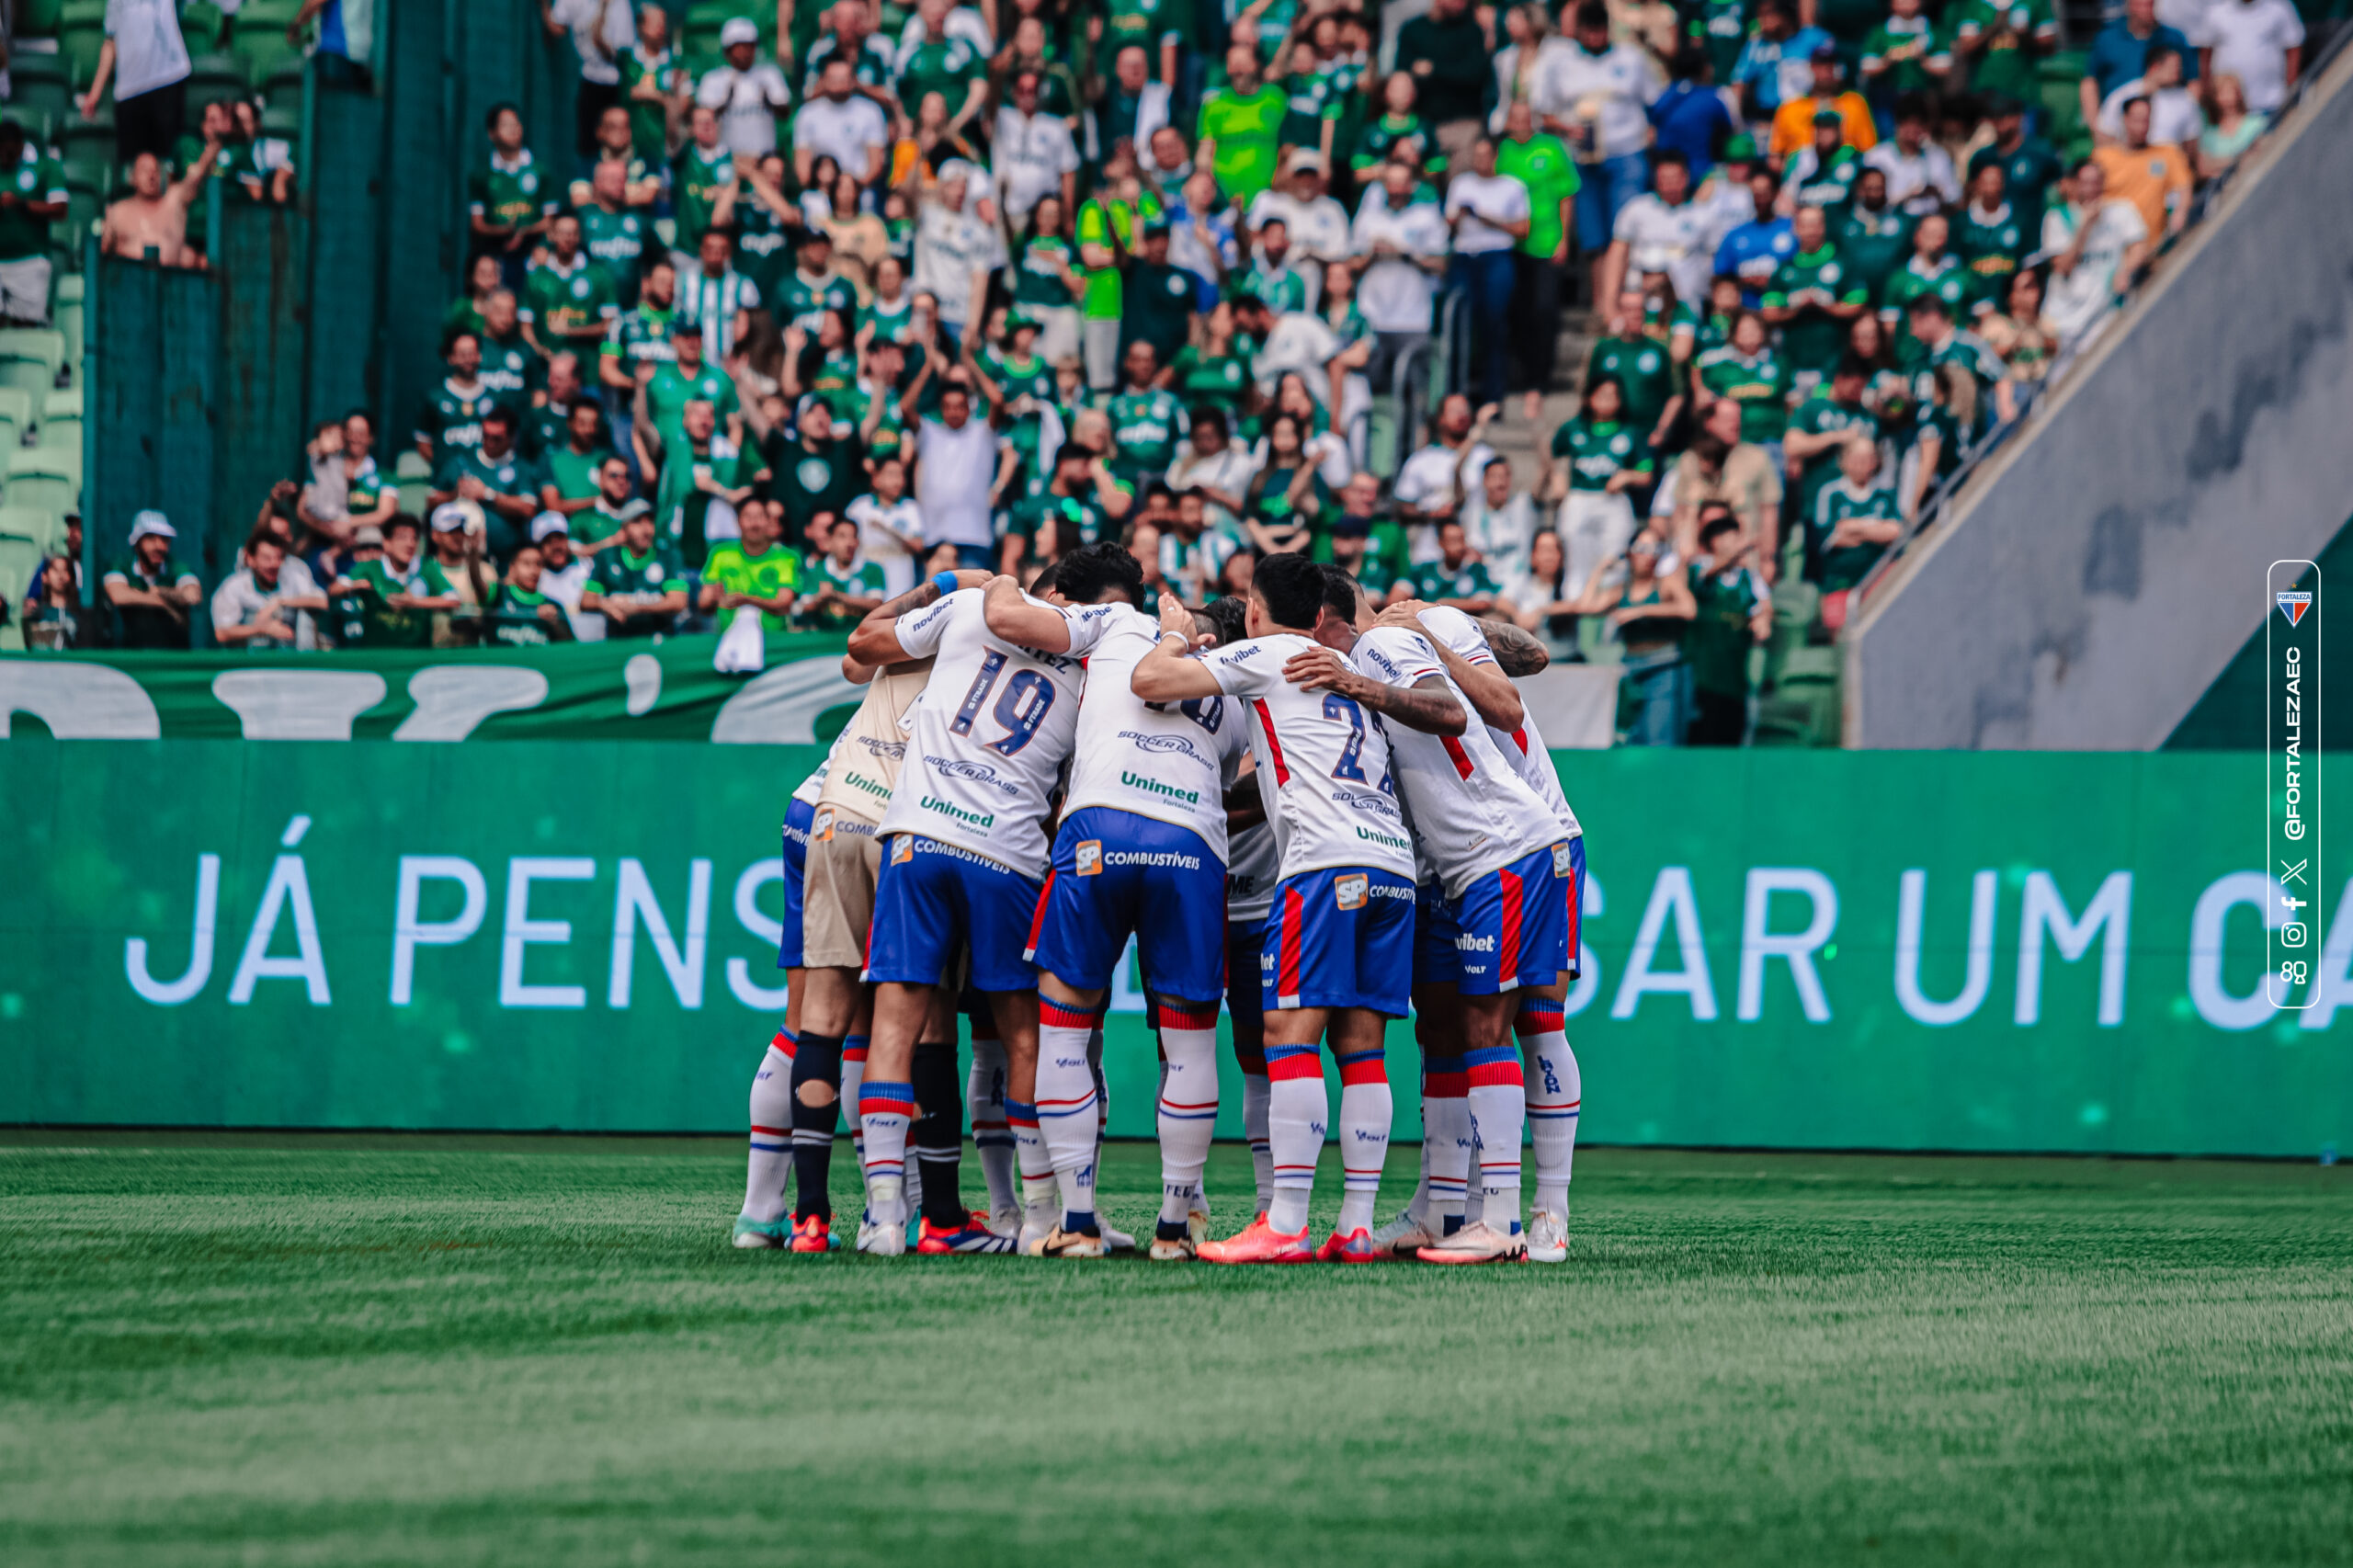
[(875, 292)]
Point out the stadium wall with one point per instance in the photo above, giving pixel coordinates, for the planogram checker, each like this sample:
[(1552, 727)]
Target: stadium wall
[(1780, 948), (2112, 561)]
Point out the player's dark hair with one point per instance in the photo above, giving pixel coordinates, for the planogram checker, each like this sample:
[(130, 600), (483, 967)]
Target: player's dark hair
[(1048, 575), (1851, 364), (1716, 521), (1229, 616), (1087, 574), (1339, 592), (1291, 588)]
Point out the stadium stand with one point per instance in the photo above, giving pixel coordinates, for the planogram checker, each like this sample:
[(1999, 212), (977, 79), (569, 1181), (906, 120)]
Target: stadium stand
[(1429, 239)]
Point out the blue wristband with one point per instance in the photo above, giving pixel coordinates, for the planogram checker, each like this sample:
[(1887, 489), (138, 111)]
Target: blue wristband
[(945, 582)]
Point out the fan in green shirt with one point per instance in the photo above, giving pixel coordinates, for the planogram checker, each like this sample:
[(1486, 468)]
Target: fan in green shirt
[(638, 585), (702, 168), (1242, 124), (1454, 578), (1106, 233), (700, 467), (571, 462), (1873, 237), (518, 614), (1043, 280), (1019, 387), (805, 296), (649, 125), (948, 67), (450, 421), (1812, 300), (1827, 179), (1904, 54), (755, 569), (1155, 300), (1146, 421), (2003, 40), (1855, 518), (1073, 504), (1208, 375), (1932, 270), (1538, 161), (1733, 606), (35, 196), (499, 479), (1596, 450), (817, 467), (842, 586), (1992, 241), (1399, 129), (397, 594), (688, 379), (568, 301), (1642, 366), (1749, 373)]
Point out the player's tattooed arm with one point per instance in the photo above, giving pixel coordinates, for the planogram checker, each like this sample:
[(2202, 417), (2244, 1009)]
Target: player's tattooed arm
[(1426, 707), (875, 641), (1516, 652), (1489, 689), (1012, 616)]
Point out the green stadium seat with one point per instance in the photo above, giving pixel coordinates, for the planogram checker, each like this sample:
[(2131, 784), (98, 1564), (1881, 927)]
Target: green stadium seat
[(81, 33), (214, 79), (201, 25), (40, 478), (61, 422), (260, 43), (16, 406), (12, 435), (19, 559), (46, 530), (283, 91), (283, 120), (29, 358)]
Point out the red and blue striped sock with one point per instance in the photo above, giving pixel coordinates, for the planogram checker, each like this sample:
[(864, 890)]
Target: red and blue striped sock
[(1498, 1108), (1297, 1110), (769, 1163), (1555, 1098), (886, 1110), (1366, 1110), (1066, 1104), (1187, 1111)]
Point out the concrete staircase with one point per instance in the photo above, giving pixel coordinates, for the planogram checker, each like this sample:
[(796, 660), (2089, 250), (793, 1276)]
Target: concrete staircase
[(1512, 436)]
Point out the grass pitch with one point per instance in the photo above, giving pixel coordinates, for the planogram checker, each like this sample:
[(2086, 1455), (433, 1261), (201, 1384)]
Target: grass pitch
[(348, 1350)]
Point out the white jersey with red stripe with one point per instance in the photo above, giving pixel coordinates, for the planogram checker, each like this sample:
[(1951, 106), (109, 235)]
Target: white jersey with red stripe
[(1472, 811), (1523, 747), (1166, 761), (1323, 763), (991, 735)]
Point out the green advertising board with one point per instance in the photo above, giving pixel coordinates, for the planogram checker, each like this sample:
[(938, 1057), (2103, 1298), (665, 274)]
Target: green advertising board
[(1899, 950)]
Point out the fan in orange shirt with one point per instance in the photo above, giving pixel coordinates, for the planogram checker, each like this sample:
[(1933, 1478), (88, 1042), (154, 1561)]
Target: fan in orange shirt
[(1793, 121), (2153, 178)]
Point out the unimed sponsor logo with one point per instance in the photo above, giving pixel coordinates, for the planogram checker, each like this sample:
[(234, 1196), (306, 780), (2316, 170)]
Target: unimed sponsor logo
[(1385, 839), (951, 809), (1152, 786)]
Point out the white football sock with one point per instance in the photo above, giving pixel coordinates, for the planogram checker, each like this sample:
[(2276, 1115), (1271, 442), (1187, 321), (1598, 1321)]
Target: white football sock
[(1498, 1114), (992, 1132), (1187, 1111), (1066, 1102), (769, 1163), (1297, 1110), (886, 1111), (1366, 1109), (1555, 1093)]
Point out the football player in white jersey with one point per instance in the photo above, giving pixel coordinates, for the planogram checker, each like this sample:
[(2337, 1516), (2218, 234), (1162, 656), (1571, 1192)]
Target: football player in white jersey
[(1494, 925), (1253, 867), (966, 851), (1337, 953), (1141, 852), (1482, 658), (763, 1222)]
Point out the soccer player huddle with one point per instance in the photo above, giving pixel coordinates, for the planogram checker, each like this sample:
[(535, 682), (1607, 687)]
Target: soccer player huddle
[(1321, 817)]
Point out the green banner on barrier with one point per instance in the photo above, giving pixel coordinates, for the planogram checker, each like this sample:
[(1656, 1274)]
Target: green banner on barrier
[(641, 689), (1903, 951)]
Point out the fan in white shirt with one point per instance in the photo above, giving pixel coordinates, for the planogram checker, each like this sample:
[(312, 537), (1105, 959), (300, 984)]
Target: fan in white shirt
[(747, 94), (1920, 177), (842, 124), (2259, 41), (1318, 223)]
